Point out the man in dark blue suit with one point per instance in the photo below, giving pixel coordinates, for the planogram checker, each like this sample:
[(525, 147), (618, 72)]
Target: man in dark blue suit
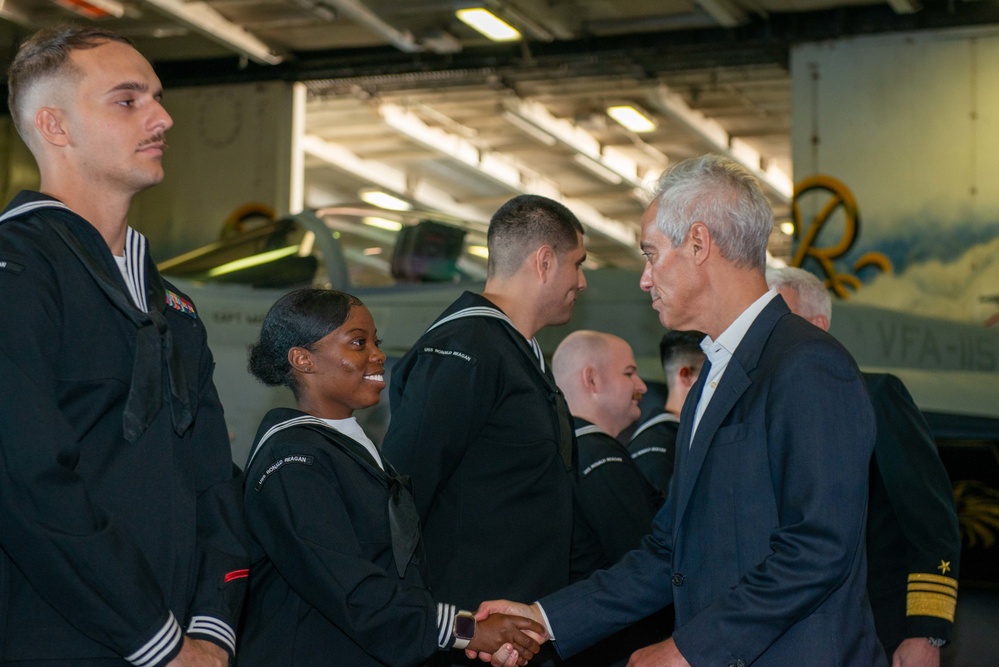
[(760, 546)]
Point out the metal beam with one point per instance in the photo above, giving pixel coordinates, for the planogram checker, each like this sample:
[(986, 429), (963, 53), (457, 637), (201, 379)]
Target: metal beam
[(359, 13), (727, 14), (711, 131), (502, 170), (395, 181), (905, 6), (207, 22), (607, 162)]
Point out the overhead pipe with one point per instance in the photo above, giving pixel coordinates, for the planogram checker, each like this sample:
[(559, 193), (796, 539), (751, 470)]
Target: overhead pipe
[(356, 10)]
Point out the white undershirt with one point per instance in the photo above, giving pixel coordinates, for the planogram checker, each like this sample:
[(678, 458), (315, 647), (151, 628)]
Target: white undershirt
[(350, 428)]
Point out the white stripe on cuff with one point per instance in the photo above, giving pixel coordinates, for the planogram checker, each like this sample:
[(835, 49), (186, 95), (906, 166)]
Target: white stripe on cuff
[(445, 623), (206, 625), (156, 649)]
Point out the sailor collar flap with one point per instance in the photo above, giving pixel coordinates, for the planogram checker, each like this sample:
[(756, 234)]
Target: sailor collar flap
[(567, 449), (404, 521), (154, 347)]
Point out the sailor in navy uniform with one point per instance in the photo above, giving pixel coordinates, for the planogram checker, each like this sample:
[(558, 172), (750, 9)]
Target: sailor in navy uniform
[(479, 424), (338, 568)]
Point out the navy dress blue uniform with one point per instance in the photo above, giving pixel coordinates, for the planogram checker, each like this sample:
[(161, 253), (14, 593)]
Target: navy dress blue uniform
[(615, 504), (760, 546), (121, 519), (653, 449), (913, 540), (327, 583), (615, 507), (487, 439)]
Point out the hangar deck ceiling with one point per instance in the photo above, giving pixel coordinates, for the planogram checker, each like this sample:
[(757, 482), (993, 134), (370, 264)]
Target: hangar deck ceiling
[(401, 95)]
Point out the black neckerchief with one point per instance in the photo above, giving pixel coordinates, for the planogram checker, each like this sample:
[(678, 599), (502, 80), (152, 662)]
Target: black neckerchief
[(155, 353), (404, 521)]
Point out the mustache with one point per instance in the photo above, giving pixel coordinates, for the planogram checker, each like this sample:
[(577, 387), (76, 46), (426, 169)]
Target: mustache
[(158, 138)]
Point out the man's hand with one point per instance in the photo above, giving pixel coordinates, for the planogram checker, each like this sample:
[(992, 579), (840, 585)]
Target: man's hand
[(496, 630), (503, 658), (508, 607), (663, 654), (506, 656), (199, 653), (916, 652)]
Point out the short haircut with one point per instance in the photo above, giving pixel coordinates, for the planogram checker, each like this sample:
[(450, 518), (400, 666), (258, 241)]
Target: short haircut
[(678, 349), (578, 349), (723, 195), (813, 297), (524, 224), (46, 54), (298, 319)]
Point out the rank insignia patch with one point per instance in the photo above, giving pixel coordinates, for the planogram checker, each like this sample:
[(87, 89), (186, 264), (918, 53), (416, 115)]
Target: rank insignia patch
[(180, 304)]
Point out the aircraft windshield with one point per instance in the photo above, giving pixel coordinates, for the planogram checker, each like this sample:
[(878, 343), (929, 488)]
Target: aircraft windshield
[(345, 247)]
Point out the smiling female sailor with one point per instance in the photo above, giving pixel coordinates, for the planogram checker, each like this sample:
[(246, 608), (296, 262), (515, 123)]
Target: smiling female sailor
[(338, 567)]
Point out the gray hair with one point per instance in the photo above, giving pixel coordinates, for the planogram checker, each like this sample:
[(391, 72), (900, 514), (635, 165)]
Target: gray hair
[(726, 197), (813, 297)]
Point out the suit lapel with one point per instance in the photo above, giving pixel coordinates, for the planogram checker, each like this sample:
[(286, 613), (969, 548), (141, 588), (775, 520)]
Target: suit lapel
[(734, 383)]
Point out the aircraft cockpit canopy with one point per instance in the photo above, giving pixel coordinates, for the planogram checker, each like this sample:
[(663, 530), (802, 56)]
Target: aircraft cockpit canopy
[(345, 247)]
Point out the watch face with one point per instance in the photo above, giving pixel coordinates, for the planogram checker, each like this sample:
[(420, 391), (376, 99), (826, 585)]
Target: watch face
[(464, 626)]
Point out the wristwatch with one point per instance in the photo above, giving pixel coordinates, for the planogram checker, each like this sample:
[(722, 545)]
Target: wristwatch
[(463, 629), (936, 641)]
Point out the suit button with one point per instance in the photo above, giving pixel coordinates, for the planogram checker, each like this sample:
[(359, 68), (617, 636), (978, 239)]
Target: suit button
[(678, 579)]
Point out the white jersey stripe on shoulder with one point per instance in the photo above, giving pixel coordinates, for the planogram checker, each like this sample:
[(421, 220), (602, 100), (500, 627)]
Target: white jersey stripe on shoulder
[(658, 419), (479, 311), (32, 206), (135, 251), (295, 421), (486, 311), (589, 429)]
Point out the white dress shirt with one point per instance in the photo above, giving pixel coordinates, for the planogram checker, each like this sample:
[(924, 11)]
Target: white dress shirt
[(720, 351)]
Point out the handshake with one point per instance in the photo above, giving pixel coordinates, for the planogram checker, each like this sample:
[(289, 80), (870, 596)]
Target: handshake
[(512, 634), (507, 633)]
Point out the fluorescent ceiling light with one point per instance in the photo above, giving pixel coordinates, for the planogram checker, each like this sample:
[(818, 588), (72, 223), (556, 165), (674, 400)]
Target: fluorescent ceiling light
[(382, 223), (632, 118), (479, 251), (385, 200), (488, 24)]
